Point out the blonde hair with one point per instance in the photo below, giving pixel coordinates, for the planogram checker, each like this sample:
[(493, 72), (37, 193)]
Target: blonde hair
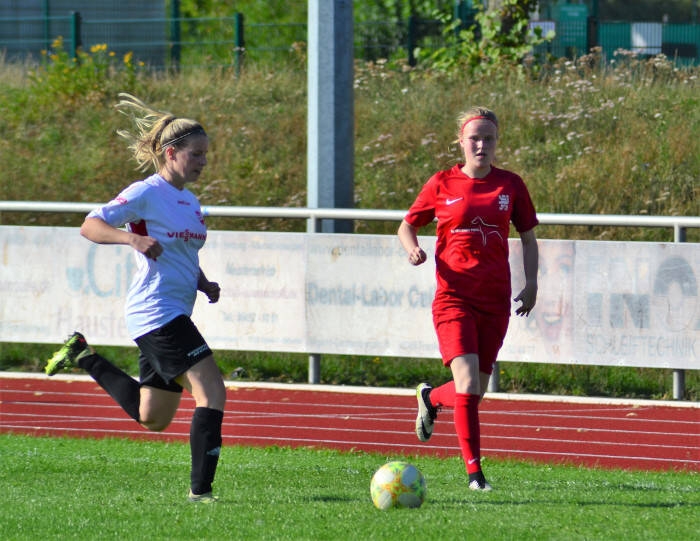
[(154, 131), (471, 114)]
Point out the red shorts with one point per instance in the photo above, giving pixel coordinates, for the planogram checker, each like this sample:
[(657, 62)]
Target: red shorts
[(463, 330)]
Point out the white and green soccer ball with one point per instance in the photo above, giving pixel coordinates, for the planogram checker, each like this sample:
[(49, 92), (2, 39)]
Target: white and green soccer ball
[(397, 484)]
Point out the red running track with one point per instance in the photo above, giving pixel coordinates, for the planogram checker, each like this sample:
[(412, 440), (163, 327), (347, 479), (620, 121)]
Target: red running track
[(641, 435)]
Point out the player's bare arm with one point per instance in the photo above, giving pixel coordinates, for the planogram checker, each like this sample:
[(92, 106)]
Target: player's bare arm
[(100, 232), (528, 296), (210, 289), (408, 235)]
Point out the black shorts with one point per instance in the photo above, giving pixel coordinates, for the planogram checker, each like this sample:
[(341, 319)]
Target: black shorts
[(170, 351)]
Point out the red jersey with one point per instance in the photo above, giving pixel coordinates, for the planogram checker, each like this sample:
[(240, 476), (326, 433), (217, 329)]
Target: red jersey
[(474, 215)]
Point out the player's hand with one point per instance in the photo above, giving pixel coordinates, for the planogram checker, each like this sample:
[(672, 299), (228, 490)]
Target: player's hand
[(212, 291), (528, 298), (148, 246), (417, 256)]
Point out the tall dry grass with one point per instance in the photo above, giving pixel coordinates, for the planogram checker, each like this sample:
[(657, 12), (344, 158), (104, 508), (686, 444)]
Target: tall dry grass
[(588, 136)]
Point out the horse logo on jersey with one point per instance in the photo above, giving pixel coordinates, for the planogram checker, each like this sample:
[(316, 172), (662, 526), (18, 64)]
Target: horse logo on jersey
[(485, 229), (481, 227)]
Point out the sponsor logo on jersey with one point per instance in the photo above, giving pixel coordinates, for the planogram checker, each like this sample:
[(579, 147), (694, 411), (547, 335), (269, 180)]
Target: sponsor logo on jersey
[(186, 235)]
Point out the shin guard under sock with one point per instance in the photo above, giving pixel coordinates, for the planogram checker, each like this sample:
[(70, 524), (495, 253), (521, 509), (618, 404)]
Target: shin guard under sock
[(466, 415), (443, 396), (205, 446), (124, 389)]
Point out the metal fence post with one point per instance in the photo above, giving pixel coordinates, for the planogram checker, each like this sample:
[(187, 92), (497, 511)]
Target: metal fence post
[(678, 384), (464, 12), (239, 42), (314, 368), (76, 41), (47, 25), (495, 380), (313, 225), (175, 47), (591, 33), (411, 40), (679, 235)]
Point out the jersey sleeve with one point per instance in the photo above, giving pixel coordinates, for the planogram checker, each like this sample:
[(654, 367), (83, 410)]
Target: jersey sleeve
[(524, 216), (124, 208), (422, 211)]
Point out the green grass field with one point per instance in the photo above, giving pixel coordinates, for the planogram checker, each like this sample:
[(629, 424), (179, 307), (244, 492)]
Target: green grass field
[(59, 488)]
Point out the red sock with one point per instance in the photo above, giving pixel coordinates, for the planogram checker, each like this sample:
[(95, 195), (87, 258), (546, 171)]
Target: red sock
[(466, 415), (443, 396)]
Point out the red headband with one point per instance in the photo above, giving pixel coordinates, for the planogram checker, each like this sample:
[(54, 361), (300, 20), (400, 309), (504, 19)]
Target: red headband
[(479, 117)]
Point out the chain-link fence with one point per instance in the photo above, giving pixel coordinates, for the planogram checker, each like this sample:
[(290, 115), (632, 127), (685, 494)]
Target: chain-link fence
[(164, 42)]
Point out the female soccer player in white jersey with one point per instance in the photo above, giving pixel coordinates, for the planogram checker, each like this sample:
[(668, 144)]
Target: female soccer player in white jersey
[(166, 229), (474, 204)]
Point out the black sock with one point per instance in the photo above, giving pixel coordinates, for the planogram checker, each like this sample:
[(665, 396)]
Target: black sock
[(124, 389), (205, 445)]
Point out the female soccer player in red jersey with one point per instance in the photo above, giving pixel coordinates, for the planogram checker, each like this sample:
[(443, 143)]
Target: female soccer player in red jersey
[(474, 204)]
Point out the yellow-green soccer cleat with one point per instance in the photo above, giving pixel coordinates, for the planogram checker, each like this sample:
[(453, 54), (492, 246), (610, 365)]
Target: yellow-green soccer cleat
[(67, 357), (202, 498)]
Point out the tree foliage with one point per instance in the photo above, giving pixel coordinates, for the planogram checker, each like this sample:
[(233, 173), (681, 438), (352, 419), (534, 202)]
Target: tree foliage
[(497, 37), (400, 10)]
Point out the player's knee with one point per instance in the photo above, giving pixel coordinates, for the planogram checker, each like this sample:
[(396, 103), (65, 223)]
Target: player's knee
[(211, 395), (473, 387), (154, 424), (216, 396), (221, 393)]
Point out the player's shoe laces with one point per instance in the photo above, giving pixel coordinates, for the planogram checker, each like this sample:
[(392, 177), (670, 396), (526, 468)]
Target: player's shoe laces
[(207, 497), (67, 357), (477, 481), (427, 413)]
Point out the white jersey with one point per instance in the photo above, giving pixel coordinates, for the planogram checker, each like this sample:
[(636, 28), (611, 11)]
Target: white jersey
[(167, 287)]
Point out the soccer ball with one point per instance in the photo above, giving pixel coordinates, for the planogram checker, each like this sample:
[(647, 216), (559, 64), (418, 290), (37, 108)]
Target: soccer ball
[(397, 484)]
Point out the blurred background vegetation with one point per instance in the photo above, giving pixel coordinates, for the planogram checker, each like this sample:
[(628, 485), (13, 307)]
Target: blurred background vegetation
[(377, 10)]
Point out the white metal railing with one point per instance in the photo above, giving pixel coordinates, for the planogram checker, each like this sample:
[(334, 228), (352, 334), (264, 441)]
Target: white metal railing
[(679, 224)]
